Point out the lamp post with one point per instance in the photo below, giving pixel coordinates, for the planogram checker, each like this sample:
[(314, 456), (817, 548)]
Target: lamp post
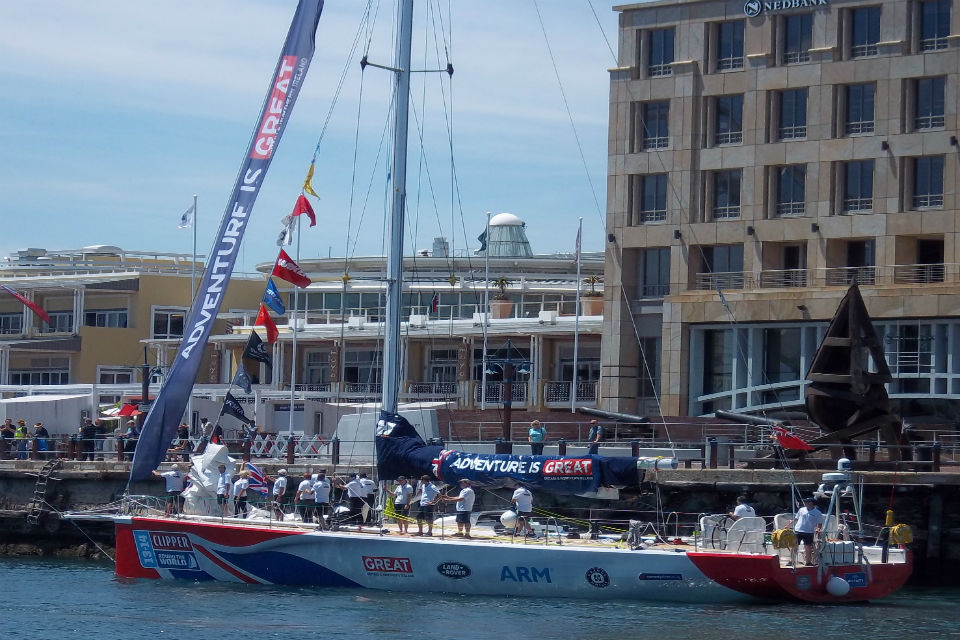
[(509, 366)]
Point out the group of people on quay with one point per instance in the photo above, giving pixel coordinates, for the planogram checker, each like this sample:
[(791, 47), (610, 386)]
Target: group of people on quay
[(19, 438)]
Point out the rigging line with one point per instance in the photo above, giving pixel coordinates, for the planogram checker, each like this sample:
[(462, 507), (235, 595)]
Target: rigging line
[(373, 176), (353, 174), (573, 126), (602, 32), (364, 20)]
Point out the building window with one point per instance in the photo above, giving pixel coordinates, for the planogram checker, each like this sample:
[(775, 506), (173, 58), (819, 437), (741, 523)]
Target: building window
[(717, 360), (928, 103), (655, 272), (654, 125), (730, 45), (317, 368), (928, 182), (11, 323), (793, 114), (114, 375), (362, 367), (729, 119), (60, 322), (726, 194), (858, 187), (797, 35), (791, 183), (443, 365), (653, 198), (860, 102), (661, 52), (864, 31), (934, 24), (106, 318), (168, 323), (722, 267), (42, 371)]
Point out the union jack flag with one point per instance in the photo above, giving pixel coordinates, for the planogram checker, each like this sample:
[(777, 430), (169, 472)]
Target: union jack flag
[(258, 482)]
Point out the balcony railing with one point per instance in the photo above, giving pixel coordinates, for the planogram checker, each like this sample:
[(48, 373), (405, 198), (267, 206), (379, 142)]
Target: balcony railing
[(558, 392), (783, 279), (371, 388), (845, 276), (724, 280), (434, 389), (790, 209), (323, 387), (495, 392), (919, 273)]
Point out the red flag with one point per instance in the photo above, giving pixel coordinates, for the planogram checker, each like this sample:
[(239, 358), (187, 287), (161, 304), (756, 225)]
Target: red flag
[(30, 305), (303, 206), (435, 302), (290, 271), (789, 441), (264, 320)]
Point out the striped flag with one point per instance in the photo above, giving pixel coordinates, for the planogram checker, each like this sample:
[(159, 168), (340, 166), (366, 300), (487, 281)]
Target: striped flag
[(258, 481)]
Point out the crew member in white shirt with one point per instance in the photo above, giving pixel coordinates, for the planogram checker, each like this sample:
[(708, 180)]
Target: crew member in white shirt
[(401, 503), (464, 502), (321, 488), (429, 496), (175, 480), (523, 502), (279, 492), (357, 493), (306, 499), (808, 521), (240, 487), (743, 509), (370, 487), (223, 489)]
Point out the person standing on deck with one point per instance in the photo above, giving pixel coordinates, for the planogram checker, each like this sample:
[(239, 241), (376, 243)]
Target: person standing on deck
[(523, 502), (306, 498), (322, 488), (464, 500), (175, 479), (223, 488), (403, 492), (240, 487), (370, 487), (279, 491), (356, 492), (429, 497), (807, 523)]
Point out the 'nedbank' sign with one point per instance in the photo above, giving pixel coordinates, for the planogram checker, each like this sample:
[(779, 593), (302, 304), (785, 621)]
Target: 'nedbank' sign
[(753, 8)]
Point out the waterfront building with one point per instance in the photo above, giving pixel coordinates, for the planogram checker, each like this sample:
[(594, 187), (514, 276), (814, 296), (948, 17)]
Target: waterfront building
[(104, 303), (339, 327), (763, 157)]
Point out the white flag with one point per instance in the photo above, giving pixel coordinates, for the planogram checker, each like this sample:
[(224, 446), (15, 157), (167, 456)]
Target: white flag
[(186, 220), (285, 239)]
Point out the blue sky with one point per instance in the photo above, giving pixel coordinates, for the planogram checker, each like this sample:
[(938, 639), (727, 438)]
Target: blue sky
[(114, 113)]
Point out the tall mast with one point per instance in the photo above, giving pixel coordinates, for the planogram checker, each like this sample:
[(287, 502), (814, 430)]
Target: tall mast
[(391, 342)]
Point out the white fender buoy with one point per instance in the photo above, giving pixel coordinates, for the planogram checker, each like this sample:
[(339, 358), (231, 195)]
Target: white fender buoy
[(837, 586), (508, 519)]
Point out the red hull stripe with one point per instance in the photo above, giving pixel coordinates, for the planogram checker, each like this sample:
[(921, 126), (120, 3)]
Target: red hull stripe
[(223, 565)]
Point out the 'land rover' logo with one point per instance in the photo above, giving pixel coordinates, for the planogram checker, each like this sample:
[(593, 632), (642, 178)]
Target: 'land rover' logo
[(455, 570), (752, 8)]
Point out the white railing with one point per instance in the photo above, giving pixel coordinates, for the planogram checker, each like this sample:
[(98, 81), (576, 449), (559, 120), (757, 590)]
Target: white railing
[(323, 387), (437, 389), (495, 392), (374, 388), (558, 391)]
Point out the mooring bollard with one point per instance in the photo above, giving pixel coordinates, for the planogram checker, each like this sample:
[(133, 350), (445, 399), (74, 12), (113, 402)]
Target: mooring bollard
[(635, 448), (291, 447), (712, 452), (72, 448), (335, 450), (119, 449), (561, 447), (34, 448)]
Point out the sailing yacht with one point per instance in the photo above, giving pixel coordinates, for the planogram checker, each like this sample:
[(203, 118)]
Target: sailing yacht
[(735, 563)]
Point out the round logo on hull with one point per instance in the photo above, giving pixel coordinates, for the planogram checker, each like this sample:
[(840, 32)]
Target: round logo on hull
[(598, 577)]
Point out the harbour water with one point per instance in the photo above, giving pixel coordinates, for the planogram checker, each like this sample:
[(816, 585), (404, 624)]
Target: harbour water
[(46, 598)]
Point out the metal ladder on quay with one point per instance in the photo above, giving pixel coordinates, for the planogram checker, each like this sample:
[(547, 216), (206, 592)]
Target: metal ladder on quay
[(40, 490)]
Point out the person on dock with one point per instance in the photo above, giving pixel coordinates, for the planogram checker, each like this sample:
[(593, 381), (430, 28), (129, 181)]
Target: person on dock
[(130, 437), (100, 437), (401, 503), (9, 433), (306, 498), (41, 435), (279, 491), (22, 436), (322, 489), (807, 523), (88, 434), (523, 502), (743, 509), (175, 480), (536, 436), (183, 441), (464, 500), (223, 488), (429, 497), (594, 436)]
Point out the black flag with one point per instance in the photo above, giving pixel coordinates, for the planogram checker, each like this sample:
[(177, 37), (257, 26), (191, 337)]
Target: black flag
[(233, 408), (256, 350), (242, 379)]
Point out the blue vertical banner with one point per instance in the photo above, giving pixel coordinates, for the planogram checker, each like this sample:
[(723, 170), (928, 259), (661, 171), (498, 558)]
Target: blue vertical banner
[(291, 70)]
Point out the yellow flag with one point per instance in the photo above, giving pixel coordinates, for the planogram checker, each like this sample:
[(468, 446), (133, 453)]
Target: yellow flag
[(308, 183)]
